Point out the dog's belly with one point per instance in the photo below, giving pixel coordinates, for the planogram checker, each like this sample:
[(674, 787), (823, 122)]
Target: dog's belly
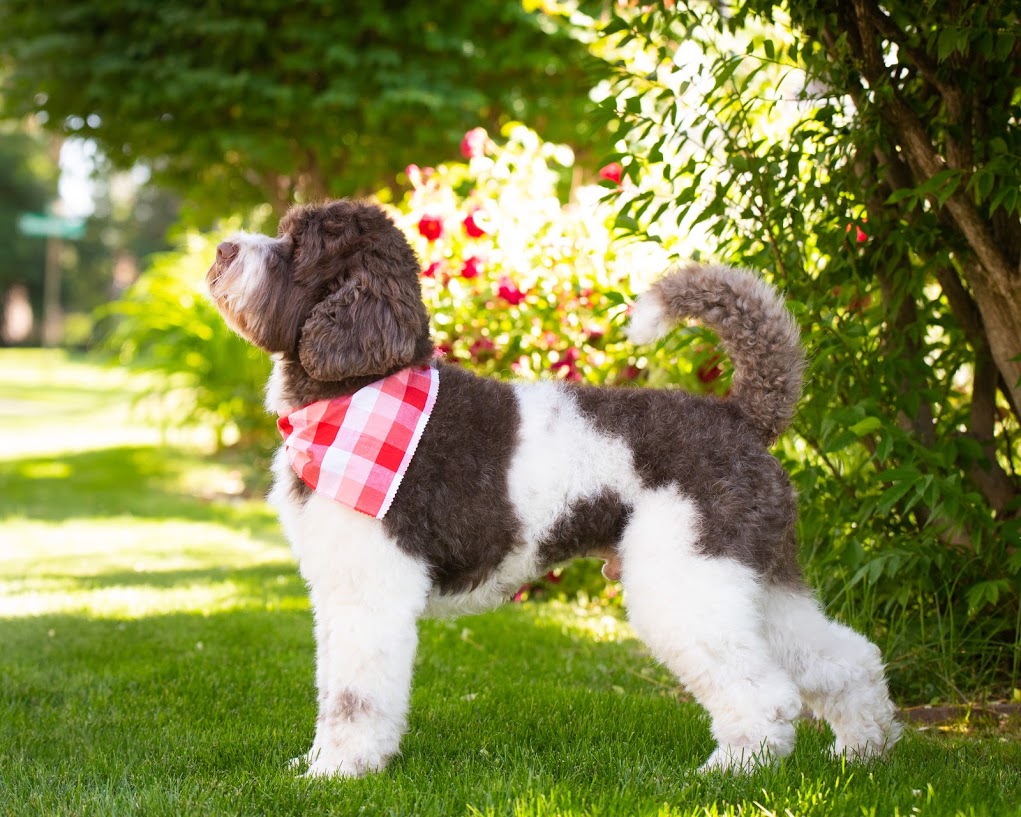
[(514, 571)]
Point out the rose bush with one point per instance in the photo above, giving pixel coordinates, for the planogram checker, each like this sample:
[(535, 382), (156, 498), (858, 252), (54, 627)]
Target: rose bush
[(521, 283)]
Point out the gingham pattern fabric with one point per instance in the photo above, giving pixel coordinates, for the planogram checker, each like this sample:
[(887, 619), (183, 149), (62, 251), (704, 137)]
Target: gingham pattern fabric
[(356, 449)]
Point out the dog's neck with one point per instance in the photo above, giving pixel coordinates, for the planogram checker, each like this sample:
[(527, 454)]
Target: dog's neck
[(290, 387)]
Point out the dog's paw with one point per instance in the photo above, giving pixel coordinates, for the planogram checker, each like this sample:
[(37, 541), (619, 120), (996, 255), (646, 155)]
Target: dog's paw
[(869, 735), (329, 764), (738, 760), (729, 759), (302, 761), (867, 748)]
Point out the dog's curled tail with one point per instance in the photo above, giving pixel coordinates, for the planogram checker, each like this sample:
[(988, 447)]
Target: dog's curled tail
[(753, 324)]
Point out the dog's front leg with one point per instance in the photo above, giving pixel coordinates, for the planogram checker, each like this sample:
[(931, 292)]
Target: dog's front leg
[(368, 596), (322, 677)]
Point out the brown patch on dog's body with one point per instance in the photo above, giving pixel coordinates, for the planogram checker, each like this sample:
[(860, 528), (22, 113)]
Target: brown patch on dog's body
[(594, 526), (707, 449), (453, 509), (348, 706)]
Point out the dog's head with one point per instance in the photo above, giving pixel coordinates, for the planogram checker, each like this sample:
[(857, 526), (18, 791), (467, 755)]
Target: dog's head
[(336, 292)]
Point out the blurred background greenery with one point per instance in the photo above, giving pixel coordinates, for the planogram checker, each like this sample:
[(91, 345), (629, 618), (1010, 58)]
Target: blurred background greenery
[(548, 159)]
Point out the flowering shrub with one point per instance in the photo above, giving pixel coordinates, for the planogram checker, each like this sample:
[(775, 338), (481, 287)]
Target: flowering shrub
[(520, 284)]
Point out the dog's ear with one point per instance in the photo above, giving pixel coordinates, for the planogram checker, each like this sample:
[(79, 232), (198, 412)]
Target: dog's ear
[(370, 326)]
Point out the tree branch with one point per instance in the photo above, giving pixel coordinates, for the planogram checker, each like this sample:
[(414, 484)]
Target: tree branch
[(997, 486)]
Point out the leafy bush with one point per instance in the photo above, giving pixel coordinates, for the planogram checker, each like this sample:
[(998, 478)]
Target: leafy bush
[(165, 323), (761, 138)]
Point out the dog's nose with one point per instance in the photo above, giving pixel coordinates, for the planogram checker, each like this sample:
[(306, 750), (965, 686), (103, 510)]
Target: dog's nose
[(226, 252)]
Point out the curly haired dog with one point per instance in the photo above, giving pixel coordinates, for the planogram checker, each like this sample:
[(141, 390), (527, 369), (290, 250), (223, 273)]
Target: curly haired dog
[(507, 480)]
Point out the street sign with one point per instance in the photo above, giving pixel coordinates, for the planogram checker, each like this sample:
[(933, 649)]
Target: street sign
[(47, 226)]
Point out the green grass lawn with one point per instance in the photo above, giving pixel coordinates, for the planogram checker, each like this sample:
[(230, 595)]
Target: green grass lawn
[(156, 658)]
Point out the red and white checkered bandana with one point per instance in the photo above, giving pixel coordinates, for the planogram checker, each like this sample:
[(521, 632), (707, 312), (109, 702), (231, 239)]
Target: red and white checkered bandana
[(356, 449)]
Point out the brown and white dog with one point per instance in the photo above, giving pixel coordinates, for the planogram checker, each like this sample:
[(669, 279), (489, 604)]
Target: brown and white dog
[(678, 490)]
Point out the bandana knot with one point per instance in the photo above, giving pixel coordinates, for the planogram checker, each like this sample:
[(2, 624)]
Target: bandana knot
[(356, 448)]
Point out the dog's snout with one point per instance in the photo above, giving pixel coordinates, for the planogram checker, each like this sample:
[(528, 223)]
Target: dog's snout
[(226, 251)]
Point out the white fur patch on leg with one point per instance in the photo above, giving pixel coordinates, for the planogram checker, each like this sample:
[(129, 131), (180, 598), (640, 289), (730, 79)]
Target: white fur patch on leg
[(700, 616), (839, 672), (368, 596)]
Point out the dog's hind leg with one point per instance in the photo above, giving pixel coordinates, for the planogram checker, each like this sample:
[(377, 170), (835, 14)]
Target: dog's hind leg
[(368, 596), (701, 617), (839, 672)]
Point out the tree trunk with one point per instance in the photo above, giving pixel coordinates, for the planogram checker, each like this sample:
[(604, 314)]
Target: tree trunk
[(999, 302)]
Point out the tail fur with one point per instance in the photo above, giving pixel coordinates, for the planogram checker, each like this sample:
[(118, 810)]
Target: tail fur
[(754, 326)]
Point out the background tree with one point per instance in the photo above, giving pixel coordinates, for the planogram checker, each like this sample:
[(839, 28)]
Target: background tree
[(28, 183), (239, 104), (867, 158), (128, 227)]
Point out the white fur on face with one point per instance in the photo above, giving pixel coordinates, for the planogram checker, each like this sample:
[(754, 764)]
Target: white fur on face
[(242, 279)]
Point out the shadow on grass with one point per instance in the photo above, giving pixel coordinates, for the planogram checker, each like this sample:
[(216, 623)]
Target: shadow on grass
[(140, 481), (255, 582), (198, 714), (193, 708)]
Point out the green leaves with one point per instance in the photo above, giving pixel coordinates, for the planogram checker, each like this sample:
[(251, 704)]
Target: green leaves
[(772, 151), (236, 107), (939, 187)]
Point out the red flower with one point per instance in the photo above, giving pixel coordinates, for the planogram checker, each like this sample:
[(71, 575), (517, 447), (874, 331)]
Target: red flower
[(476, 223), (430, 227), (612, 172), (482, 348), (859, 305), (630, 372), (710, 369), (509, 291), (472, 267), (432, 269), (860, 236), (567, 365), (474, 143)]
